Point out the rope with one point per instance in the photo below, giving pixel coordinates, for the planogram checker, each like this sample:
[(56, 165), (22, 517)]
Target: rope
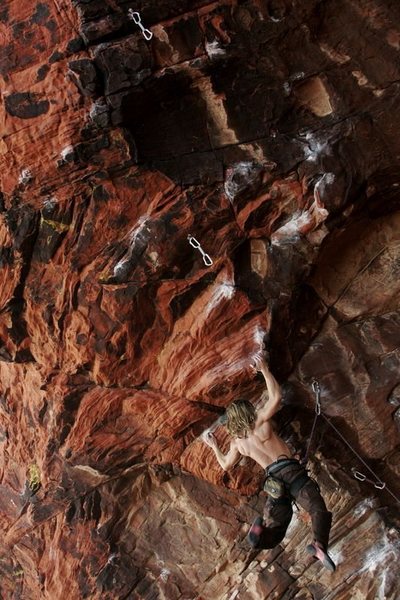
[(378, 483), (317, 392)]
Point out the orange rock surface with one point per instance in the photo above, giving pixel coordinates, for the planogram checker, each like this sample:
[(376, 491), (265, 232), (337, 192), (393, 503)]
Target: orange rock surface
[(268, 132)]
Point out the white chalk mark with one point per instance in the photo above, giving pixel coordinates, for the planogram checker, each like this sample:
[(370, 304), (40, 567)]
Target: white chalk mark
[(240, 176), (364, 506), (25, 176), (214, 50), (67, 153), (50, 203), (301, 222), (134, 236), (314, 147), (165, 573), (221, 291), (322, 183)]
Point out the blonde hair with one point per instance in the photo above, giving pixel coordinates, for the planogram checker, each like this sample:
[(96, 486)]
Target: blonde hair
[(241, 416)]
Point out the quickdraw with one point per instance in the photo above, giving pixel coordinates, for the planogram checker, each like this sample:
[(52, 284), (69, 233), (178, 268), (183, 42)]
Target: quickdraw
[(380, 485), (136, 18), (195, 244), (377, 482)]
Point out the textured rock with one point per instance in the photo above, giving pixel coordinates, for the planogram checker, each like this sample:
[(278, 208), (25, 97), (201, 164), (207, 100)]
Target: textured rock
[(268, 131)]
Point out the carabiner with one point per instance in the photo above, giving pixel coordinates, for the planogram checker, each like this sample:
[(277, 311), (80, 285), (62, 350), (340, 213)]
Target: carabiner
[(135, 16), (359, 476), (193, 242), (208, 261), (380, 485), (315, 386), (147, 34)]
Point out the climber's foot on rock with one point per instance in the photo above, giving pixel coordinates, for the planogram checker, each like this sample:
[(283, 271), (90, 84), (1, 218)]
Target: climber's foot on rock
[(255, 532), (319, 553)]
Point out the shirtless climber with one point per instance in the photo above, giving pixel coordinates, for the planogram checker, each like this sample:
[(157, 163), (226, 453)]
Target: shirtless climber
[(286, 478)]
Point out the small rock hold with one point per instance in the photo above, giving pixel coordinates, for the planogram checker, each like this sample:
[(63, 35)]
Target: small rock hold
[(396, 418), (259, 257), (99, 113), (56, 56), (68, 154), (25, 177), (394, 397), (83, 74), (277, 10), (241, 176), (313, 94)]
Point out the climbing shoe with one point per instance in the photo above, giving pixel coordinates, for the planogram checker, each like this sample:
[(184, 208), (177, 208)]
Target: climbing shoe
[(318, 552), (255, 532)]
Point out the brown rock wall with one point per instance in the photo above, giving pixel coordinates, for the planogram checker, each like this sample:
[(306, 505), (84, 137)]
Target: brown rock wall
[(269, 132)]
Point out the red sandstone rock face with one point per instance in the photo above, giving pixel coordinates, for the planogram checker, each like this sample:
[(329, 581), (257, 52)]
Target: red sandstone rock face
[(269, 132)]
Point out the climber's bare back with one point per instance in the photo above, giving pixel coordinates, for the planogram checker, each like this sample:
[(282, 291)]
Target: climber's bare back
[(259, 440), (262, 444)]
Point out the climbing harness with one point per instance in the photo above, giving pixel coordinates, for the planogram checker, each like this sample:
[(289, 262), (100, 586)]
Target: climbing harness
[(136, 18), (377, 482), (195, 244)]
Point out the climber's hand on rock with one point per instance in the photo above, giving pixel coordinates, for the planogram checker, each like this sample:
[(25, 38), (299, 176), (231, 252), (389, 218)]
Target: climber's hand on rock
[(209, 439), (260, 364)]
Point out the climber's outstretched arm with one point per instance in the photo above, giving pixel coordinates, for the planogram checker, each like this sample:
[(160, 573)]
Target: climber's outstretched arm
[(227, 461), (273, 404)]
